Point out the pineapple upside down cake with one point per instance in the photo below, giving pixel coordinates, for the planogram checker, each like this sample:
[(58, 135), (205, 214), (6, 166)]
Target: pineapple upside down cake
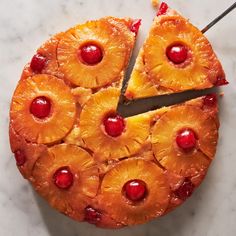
[(88, 161)]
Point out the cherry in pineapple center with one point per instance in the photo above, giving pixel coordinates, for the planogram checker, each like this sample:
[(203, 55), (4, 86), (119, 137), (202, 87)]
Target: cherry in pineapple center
[(40, 107), (91, 54), (114, 125), (135, 190), (63, 178)]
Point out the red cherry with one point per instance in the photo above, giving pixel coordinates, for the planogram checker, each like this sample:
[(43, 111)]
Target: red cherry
[(38, 63), (114, 125), (210, 100), (91, 54), (63, 178), (20, 158), (221, 81), (135, 26), (40, 107), (162, 9), (135, 190), (185, 190), (92, 216), (186, 139), (177, 53)]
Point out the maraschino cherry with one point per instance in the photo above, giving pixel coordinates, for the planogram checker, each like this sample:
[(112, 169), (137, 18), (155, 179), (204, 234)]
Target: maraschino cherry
[(186, 139), (162, 9), (177, 53), (114, 125), (92, 216), (20, 158), (63, 178), (185, 190), (221, 81), (135, 190), (91, 54), (38, 63), (40, 107), (135, 26), (210, 100)]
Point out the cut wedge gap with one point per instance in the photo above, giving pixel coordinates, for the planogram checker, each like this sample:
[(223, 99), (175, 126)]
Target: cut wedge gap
[(142, 105)]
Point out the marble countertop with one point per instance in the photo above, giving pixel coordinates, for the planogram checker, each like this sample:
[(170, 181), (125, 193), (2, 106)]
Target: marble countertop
[(24, 25)]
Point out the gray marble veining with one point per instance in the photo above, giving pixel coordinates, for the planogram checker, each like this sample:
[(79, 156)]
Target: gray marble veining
[(24, 25)]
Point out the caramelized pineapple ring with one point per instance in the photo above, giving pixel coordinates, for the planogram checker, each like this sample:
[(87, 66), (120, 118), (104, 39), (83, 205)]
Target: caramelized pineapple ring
[(94, 133), (201, 68), (140, 85), (124, 26), (48, 51), (29, 152), (34, 98), (113, 200), (105, 45), (83, 179), (166, 148)]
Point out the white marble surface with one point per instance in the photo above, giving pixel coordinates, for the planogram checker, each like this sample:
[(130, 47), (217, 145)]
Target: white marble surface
[(24, 25)]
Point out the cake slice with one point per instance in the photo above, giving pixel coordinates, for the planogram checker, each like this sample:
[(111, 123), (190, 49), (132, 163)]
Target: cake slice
[(175, 57)]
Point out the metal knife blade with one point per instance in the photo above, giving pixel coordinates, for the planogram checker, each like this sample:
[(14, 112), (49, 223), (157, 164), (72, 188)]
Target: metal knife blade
[(134, 107)]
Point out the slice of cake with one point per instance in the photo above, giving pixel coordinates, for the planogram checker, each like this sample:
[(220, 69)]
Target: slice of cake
[(175, 57)]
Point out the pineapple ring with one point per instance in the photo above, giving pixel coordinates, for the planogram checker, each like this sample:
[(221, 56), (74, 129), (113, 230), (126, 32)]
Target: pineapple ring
[(113, 201), (86, 181), (139, 85), (103, 34), (202, 69), (165, 149), (124, 25), (63, 113), (49, 51), (30, 151), (104, 146)]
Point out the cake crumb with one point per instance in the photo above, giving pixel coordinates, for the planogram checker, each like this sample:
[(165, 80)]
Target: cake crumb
[(155, 3), (222, 94)]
